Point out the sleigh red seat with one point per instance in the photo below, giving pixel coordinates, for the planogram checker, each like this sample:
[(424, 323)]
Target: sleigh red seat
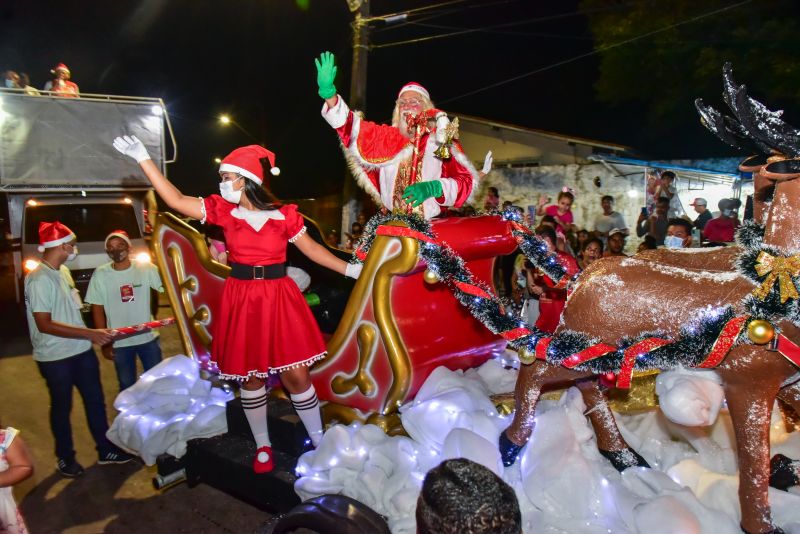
[(396, 327)]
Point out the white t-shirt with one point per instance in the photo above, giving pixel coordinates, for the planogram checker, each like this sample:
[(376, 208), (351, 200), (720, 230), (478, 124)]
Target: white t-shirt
[(605, 223), (125, 297), (53, 291)]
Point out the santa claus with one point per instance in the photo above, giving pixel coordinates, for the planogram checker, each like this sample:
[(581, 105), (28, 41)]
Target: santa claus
[(383, 159)]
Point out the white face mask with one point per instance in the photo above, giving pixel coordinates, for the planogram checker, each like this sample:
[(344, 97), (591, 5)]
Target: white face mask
[(74, 253), (227, 192), (9, 83), (673, 241)]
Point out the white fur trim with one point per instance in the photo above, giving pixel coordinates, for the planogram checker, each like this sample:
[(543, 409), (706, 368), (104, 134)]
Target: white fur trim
[(336, 116), (356, 163), (449, 191), (202, 210), (119, 235), (56, 242), (414, 88), (298, 235), (271, 370), (462, 159), (227, 167)]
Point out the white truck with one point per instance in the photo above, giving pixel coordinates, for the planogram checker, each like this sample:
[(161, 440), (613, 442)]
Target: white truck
[(57, 163)]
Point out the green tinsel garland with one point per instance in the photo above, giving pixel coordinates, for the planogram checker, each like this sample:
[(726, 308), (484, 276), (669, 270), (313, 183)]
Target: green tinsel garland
[(690, 348)]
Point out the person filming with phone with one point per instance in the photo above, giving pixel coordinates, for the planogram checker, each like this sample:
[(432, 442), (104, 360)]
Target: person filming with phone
[(656, 224)]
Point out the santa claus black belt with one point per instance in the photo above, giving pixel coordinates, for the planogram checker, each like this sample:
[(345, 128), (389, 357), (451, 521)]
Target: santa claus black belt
[(241, 271)]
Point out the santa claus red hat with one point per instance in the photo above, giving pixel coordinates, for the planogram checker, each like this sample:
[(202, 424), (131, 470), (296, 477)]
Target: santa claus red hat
[(416, 88), (246, 161), (52, 234), (122, 234), (58, 67)]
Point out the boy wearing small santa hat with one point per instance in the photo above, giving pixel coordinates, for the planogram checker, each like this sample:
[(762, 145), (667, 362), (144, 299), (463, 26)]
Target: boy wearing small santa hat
[(62, 348)]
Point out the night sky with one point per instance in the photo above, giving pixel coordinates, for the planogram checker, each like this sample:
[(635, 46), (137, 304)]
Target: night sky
[(253, 59)]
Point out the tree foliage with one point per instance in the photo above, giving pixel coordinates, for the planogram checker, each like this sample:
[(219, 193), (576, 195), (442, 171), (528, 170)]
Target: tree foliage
[(682, 57)]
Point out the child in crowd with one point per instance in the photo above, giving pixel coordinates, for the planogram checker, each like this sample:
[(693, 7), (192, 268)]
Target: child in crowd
[(592, 251), (561, 211), (16, 465)]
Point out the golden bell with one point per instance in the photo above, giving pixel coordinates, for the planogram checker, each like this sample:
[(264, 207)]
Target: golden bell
[(430, 277), (760, 332), (526, 357), (443, 152)]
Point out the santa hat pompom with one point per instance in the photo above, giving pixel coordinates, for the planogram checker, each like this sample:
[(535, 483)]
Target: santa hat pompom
[(275, 171), (52, 234)]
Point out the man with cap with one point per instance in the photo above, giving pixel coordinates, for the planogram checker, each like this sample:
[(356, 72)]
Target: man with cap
[(120, 293), (61, 84), (62, 348), (703, 213), (381, 157), (616, 242), (723, 228)]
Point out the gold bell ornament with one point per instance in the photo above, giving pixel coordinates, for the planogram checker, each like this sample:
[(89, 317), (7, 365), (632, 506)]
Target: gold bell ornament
[(526, 356), (760, 332), (430, 276)]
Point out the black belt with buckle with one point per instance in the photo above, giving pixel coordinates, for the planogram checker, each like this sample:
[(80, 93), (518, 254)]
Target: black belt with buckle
[(258, 272)]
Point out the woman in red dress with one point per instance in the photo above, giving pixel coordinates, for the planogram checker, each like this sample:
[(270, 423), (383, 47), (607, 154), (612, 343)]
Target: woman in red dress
[(267, 326)]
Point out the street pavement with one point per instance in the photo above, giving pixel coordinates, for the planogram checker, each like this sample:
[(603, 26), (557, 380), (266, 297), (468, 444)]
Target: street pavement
[(108, 498)]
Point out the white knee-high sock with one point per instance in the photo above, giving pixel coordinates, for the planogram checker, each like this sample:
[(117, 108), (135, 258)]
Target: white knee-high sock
[(255, 409), (307, 406)]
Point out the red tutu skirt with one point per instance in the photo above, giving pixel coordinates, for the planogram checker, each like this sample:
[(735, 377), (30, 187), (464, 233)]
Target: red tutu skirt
[(265, 326)]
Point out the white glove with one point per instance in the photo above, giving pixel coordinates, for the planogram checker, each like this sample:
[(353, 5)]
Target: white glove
[(353, 270), (487, 163), (131, 146)]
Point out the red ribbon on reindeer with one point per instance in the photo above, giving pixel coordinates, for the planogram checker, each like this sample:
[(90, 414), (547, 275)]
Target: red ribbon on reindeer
[(725, 340), (629, 358)]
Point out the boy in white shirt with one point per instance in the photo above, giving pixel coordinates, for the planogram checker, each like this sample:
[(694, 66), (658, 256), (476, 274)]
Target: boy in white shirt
[(120, 293)]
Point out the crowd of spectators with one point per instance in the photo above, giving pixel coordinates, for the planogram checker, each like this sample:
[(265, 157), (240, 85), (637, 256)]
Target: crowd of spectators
[(59, 83), (577, 248)]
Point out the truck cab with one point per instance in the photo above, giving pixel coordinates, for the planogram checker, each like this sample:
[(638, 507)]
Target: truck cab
[(57, 163)]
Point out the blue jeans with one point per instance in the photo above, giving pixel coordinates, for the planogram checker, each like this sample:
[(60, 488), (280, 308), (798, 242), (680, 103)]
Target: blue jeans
[(125, 361), (81, 371)]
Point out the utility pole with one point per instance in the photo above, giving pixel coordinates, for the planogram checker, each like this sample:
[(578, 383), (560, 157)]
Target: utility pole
[(358, 98)]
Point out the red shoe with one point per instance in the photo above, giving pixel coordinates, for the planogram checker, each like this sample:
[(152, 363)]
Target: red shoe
[(262, 463)]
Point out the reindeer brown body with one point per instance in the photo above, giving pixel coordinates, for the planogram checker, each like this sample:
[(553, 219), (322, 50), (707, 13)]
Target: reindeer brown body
[(661, 290)]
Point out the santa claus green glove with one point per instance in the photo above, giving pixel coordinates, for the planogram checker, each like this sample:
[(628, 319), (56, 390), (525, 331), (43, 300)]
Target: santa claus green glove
[(416, 194), (326, 75)]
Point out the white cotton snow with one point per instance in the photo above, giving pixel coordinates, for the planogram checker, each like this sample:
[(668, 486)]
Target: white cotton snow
[(169, 405), (563, 484), (690, 397)]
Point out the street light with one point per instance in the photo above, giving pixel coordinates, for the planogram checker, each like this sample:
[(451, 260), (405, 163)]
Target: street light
[(217, 160), (226, 120)]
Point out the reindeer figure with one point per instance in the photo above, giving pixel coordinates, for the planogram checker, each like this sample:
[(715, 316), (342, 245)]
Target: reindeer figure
[(662, 290)]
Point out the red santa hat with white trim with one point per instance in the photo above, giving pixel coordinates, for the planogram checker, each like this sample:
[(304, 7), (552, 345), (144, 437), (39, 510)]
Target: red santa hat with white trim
[(246, 161), (59, 67), (52, 234), (122, 234), (414, 87)]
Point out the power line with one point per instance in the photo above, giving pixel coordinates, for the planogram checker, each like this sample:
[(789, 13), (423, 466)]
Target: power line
[(442, 13), (596, 51), (503, 25)]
